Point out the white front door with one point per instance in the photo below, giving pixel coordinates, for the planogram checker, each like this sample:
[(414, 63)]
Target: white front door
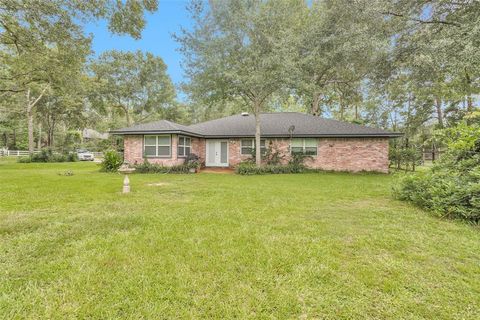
[(217, 153)]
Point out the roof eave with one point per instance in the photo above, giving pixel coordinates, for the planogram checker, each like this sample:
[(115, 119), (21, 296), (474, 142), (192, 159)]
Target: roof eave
[(370, 135), (143, 132)]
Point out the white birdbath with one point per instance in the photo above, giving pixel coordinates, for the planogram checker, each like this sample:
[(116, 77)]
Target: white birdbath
[(126, 170)]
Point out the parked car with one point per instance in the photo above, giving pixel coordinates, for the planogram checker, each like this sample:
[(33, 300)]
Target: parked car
[(85, 155)]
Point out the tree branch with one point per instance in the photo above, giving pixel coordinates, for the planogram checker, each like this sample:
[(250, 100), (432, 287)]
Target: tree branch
[(433, 21)]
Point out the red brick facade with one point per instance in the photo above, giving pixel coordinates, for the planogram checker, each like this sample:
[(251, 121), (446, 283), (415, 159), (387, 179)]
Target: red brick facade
[(338, 154)]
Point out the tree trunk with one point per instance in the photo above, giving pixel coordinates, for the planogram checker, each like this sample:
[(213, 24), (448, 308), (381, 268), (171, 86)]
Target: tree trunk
[(469, 103), (342, 108), (14, 138), (30, 130), (438, 106), (469, 93), (356, 112), (316, 104), (51, 130), (127, 115), (258, 154), (29, 109), (30, 106), (39, 142)]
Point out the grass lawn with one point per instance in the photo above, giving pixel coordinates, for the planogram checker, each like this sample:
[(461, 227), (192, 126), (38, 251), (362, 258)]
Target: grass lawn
[(226, 246)]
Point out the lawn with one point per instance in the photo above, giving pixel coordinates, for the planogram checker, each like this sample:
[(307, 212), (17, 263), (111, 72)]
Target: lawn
[(225, 246)]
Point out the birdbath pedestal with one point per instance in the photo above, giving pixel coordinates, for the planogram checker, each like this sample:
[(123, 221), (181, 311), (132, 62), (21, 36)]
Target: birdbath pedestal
[(126, 170)]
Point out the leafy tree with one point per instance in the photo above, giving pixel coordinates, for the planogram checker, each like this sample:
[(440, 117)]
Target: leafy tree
[(42, 40), (136, 83), (339, 45), (240, 50)]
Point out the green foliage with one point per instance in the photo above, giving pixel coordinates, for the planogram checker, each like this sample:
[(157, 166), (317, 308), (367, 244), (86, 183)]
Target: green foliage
[(147, 167), (249, 168), (271, 156), (272, 160), (241, 51), (48, 155), (72, 140), (193, 161), (67, 173), (135, 83), (111, 161), (404, 157), (452, 187)]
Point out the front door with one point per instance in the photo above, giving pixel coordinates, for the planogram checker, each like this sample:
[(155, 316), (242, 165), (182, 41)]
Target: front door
[(217, 153)]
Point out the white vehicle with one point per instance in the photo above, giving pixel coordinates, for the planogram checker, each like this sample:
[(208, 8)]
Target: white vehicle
[(84, 155)]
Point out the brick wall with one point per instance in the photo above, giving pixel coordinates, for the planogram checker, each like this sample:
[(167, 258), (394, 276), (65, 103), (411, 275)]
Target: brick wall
[(338, 154), (133, 151)]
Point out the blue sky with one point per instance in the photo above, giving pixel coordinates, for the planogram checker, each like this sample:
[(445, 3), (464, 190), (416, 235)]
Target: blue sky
[(156, 37)]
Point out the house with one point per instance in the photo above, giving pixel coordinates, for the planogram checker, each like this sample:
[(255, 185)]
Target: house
[(225, 142), (90, 134)]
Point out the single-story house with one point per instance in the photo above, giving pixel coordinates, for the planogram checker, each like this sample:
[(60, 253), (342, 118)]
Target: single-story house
[(225, 142)]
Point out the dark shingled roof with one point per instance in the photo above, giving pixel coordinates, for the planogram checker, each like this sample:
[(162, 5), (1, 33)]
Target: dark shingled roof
[(272, 125), (161, 126)]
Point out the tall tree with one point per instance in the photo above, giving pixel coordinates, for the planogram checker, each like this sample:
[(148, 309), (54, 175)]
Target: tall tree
[(39, 37), (136, 83), (241, 50), (339, 46)]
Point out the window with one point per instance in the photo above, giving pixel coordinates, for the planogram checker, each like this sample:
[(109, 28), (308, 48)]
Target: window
[(247, 146), (307, 146), (157, 146), (184, 146)]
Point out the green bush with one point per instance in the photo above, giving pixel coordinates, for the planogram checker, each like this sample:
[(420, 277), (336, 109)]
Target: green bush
[(24, 159), (248, 168), (48, 155), (294, 165), (111, 161), (452, 187), (147, 167), (404, 157)]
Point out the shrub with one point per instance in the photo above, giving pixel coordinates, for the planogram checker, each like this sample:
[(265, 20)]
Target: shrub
[(24, 159), (193, 161), (404, 157), (111, 161), (72, 157), (147, 167), (48, 155), (248, 168), (452, 187)]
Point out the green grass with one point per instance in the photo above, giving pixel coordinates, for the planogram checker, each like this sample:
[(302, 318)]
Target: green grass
[(225, 246)]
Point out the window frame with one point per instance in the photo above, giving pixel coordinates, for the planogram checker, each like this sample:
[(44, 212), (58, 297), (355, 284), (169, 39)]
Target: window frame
[(157, 145), (263, 150), (184, 146), (304, 147)]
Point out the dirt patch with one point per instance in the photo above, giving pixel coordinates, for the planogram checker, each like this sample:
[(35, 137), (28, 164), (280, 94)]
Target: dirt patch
[(157, 184), (217, 170)]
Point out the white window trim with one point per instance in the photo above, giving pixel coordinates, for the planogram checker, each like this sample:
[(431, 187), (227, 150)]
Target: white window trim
[(157, 145), (303, 147), (184, 146), (253, 146)]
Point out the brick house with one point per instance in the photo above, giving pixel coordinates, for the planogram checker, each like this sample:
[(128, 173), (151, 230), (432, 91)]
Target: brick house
[(225, 142)]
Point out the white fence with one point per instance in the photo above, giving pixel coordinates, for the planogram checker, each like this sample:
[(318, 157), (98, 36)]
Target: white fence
[(24, 153), (15, 153)]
